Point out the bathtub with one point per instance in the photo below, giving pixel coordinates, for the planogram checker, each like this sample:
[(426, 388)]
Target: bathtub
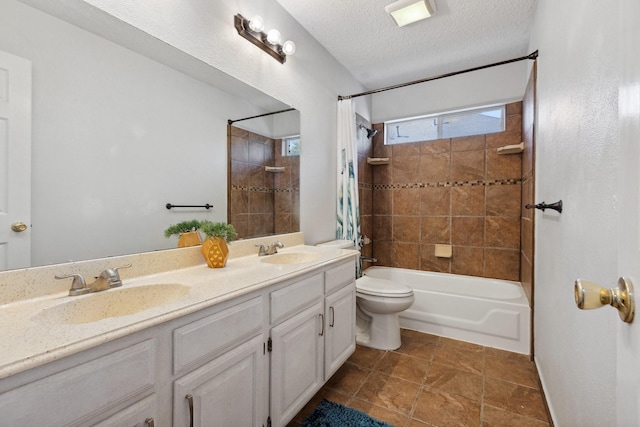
[(490, 312)]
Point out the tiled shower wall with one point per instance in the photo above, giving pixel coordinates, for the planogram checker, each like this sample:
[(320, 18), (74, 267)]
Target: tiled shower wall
[(455, 191), (260, 202)]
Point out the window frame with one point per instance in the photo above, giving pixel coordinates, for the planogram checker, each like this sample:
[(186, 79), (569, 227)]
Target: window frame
[(442, 116), (285, 145)]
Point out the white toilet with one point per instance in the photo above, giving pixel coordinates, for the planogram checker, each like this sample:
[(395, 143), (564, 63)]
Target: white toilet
[(378, 305)]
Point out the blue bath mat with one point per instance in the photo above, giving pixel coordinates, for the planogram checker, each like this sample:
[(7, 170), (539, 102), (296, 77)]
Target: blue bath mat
[(330, 414)]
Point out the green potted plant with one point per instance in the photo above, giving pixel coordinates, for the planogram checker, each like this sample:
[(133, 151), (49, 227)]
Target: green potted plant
[(214, 248), (187, 232)]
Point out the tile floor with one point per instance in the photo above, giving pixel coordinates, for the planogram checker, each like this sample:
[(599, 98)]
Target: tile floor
[(434, 381)]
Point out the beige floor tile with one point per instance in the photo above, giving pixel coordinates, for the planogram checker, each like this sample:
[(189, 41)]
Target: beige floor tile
[(389, 392), (324, 393), (366, 357), (404, 366), (423, 348), (460, 344), (348, 379), (494, 417), (455, 377), (514, 398), (516, 370), (418, 423), (466, 358), (445, 409), (455, 381), (383, 414)]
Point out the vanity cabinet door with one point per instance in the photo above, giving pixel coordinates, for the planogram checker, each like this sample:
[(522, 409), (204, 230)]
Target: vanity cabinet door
[(228, 391), (340, 324), (141, 414), (296, 362)]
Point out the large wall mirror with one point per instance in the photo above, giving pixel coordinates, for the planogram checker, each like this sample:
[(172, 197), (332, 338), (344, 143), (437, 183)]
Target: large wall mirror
[(117, 135)]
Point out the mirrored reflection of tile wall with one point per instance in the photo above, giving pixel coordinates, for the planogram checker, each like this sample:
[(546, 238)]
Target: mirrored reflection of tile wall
[(456, 191), (261, 202)]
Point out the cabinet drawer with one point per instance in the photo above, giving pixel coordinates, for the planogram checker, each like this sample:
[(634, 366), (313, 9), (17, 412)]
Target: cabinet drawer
[(339, 276), (205, 338), (295, 297), (74, 396)]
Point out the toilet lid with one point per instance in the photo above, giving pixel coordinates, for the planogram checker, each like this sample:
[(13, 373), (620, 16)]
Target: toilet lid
[(382, 287)]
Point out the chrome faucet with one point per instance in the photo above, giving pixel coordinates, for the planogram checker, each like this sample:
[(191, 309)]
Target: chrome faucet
[(108, 278), (269, 249)]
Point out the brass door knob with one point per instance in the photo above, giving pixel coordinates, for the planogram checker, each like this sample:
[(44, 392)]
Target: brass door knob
[(588, 295), (19, 227)]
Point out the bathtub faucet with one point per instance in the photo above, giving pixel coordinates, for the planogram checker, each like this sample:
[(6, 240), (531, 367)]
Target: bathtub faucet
[(368, 259)]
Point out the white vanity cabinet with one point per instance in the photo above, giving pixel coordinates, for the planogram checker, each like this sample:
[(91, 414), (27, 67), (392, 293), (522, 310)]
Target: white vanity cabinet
[(316, 338), (229, 388), (252, 360)]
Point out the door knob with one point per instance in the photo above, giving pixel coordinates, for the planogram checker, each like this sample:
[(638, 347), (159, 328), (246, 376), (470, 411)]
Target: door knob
[(19, 227), (589, 295)]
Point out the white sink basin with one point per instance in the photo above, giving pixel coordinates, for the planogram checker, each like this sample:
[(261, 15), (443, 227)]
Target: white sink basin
[(290, 258), (111, 303)]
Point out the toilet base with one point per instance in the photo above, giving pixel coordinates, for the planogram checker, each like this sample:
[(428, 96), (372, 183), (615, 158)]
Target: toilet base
[(383, 334)]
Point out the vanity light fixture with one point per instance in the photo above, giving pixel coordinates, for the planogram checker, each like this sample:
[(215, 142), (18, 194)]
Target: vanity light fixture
[(405, 12), (269, 42)]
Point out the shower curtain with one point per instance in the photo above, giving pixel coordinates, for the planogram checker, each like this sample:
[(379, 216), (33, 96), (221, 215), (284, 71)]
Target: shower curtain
[(348, 214)]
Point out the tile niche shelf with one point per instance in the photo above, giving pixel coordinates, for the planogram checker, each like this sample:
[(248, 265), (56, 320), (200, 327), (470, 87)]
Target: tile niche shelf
[(375, 161)]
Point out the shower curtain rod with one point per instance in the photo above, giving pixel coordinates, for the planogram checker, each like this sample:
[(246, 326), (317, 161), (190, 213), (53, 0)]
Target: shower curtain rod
[(260, 115), (531, 56)]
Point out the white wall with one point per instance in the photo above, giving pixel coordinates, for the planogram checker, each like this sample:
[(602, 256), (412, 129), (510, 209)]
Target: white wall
[(576, 137), (310, 81), (502, 84)]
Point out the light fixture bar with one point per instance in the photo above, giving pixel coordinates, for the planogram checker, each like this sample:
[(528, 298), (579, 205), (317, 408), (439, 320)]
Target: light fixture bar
[(258, 39)]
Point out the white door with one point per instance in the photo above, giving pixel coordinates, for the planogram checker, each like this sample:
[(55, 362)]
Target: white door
[(15, 161), (628, 347)]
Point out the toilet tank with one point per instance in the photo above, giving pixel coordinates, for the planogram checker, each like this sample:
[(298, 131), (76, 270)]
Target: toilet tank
[(339, 244)]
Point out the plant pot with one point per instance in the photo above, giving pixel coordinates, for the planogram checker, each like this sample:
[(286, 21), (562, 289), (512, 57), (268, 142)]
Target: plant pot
[(191, 238), (215, 252)]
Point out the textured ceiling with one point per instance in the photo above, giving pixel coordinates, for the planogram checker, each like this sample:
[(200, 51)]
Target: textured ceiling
[(462, 34)]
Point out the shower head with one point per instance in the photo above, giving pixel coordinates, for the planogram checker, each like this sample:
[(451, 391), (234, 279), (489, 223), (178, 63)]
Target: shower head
[(370, 132)]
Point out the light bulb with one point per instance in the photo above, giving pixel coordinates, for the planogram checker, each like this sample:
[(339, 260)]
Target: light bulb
[(289, 47), (273, 36), (256, 24)]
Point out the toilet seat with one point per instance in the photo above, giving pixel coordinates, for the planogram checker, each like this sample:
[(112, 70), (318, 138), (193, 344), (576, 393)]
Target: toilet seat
[(382, 288)]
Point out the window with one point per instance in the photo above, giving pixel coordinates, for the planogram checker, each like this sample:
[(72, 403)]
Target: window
[(291, 146), (445, 125)]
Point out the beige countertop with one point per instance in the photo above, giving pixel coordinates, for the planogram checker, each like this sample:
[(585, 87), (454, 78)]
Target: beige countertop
[(28, 340)]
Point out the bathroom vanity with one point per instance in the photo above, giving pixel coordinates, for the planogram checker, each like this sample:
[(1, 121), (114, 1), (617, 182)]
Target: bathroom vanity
[(247, 345)]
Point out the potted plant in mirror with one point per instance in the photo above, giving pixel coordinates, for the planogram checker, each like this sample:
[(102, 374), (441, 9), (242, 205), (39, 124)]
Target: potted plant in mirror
[(187, 232), (214, 248)]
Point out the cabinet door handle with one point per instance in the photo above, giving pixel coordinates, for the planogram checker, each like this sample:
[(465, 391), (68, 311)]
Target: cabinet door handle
[(149, 422), (321, 324), (189, 398), (333, 316)]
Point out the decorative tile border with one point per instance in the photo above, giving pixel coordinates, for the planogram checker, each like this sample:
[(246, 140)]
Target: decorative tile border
[(263, 189), (470, 183)]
